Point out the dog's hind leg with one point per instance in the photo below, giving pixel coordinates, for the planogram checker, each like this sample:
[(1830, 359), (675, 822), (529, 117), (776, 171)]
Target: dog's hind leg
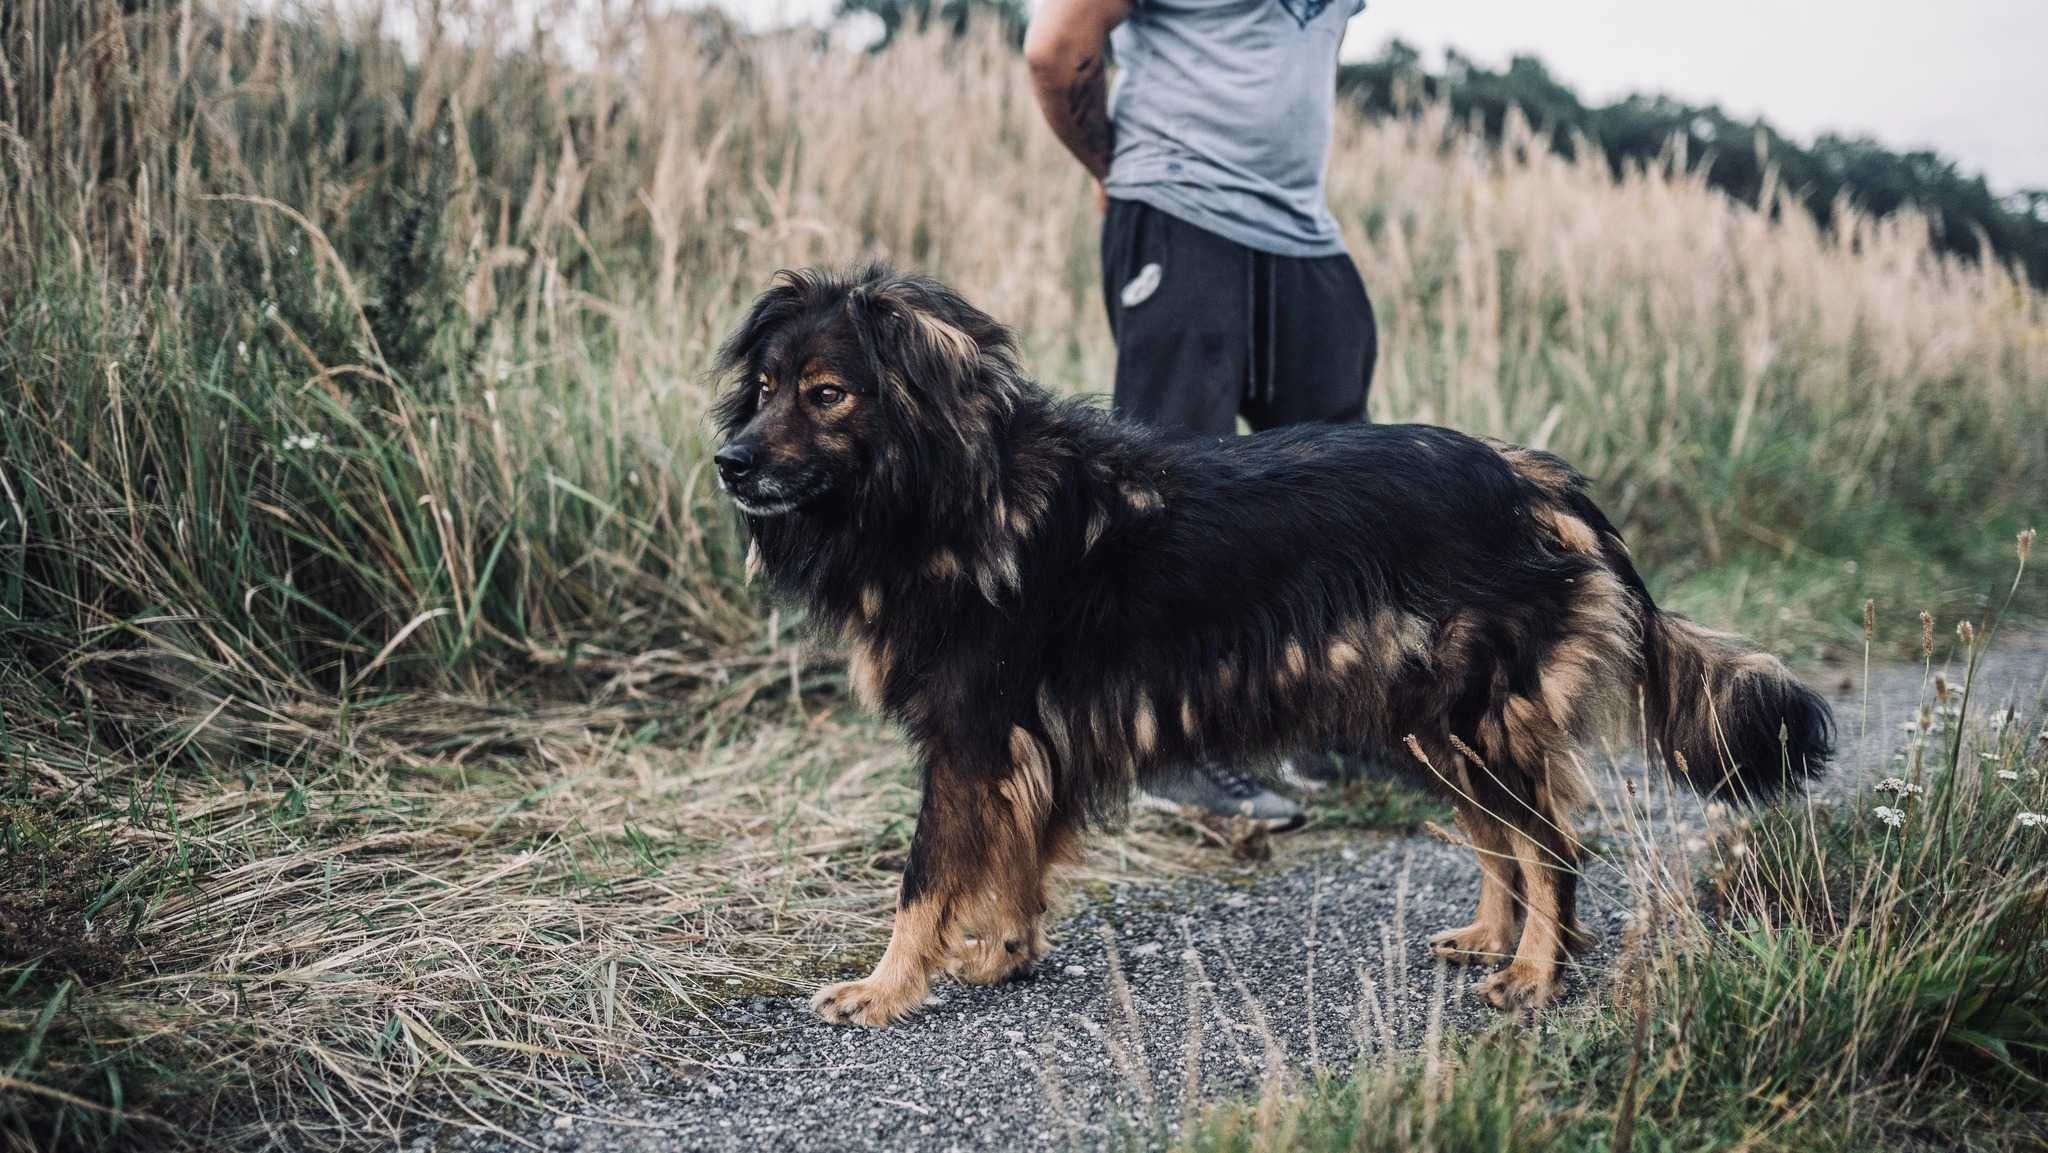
[(974, 887), (1491, 934), (1547, 856)]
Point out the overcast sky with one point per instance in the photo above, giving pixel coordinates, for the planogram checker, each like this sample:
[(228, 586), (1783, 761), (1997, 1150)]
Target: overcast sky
[(1968, 77)]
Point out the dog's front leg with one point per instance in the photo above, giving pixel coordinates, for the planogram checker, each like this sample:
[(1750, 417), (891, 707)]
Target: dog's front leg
[(973, 894), (900, 982)]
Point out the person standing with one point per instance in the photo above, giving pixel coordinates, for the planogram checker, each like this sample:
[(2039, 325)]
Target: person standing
[(1229, 290)]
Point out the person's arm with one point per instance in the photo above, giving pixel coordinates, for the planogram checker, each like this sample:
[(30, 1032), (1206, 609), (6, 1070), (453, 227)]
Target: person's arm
[(1065, 48)]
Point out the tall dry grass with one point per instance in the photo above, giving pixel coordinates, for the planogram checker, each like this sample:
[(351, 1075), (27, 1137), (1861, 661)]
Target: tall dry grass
[(351, 412), (485, 283)]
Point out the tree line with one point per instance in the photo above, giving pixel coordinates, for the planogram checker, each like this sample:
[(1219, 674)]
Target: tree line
[(1738, 157)]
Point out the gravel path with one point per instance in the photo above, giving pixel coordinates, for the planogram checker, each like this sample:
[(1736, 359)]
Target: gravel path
[(1094, 1050)]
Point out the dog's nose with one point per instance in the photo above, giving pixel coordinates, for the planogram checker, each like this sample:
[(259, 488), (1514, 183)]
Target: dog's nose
[(735, 461)]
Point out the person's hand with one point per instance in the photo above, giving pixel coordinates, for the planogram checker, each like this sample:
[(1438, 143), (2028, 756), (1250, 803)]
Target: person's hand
[(1101, 198)]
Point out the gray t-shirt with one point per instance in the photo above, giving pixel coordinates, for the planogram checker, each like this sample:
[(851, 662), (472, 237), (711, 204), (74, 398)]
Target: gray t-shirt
[(1222, 111)]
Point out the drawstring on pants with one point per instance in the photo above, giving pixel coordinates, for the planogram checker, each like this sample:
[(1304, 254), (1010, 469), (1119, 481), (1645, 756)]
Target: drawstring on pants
[(1261, 370)]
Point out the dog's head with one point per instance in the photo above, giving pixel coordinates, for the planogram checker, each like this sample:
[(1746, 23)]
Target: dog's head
[(843, 387)]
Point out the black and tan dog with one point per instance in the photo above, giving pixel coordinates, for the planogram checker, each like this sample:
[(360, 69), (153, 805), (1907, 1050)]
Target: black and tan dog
[(1055, 604)]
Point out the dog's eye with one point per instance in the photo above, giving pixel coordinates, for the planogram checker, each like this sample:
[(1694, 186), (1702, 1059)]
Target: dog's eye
[(827, 395), (765, 387)]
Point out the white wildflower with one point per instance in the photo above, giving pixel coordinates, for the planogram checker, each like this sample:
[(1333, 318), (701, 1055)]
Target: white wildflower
[(1899, 785), (242, 349), (306, 443), (2008, 775), (1889, 815), (2033, 820)]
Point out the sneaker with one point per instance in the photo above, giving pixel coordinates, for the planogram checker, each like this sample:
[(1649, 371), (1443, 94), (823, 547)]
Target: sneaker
[(1210, 788), (1312, 773)]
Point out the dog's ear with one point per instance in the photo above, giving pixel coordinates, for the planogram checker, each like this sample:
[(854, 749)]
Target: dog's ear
[(924, 339), (786, 296)]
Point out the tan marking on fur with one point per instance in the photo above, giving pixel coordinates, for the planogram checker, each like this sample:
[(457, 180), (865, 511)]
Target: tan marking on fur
[(899, 387), (899, 984), (1294, 662), (1226, 678), (1761, 664), (1343, 656), (1492, 932), (871, 602), (1054, 721), (1144, 725), (1140, 498), (867, 668), (1454, 645), (1585, 676), (1029, 786), (1546, 474), (1566, 673), (1398, 636), (816, 373), (1492, 737), (1531, 978), (988, 866), (998, 572), (996, 929), (1098, 523), (1190, 724), (1020, 522), (1573, 533), (1531, 733), (956, 344), (945, 564), (753, 560)]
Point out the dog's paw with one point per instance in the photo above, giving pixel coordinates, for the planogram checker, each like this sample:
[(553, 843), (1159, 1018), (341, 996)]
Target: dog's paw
[(1475, 944), (871, 1002), (990, 961), (1578, 938), (1520, 985)]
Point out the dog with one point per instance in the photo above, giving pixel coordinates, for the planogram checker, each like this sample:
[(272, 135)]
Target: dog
[(1056, 605)]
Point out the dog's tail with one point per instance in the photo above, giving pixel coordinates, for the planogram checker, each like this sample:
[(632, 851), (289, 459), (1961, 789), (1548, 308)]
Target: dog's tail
[(1727, 719)]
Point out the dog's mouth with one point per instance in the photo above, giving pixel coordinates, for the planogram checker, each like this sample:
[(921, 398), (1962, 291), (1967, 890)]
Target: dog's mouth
[(770, 496), (777, 508)]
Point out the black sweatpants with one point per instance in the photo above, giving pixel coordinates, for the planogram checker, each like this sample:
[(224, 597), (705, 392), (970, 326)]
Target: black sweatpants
[(1207, 329)]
